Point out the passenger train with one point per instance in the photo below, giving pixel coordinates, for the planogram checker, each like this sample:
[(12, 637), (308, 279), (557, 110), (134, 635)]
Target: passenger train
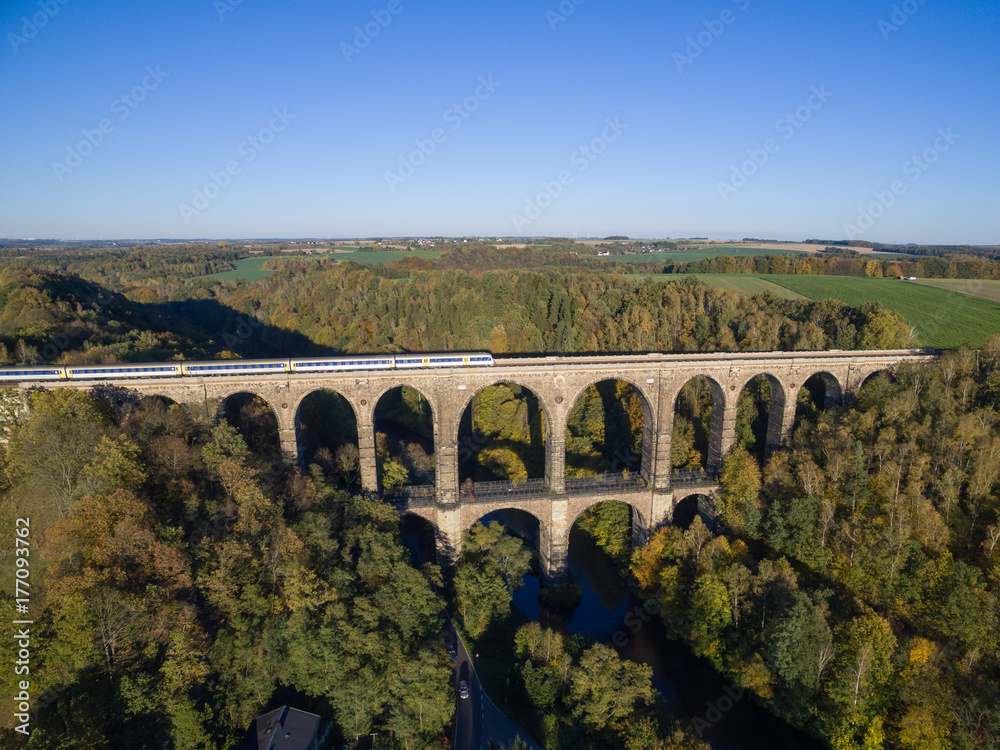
[(246, 366)]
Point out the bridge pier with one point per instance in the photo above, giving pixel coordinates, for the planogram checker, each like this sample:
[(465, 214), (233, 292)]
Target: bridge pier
[(555, 463), (448, 532), (661, 512), (445, 471), (661, 461), (662, 437), (723, 431), (553, 545), (289, 445), (367, 457), (780, 419)]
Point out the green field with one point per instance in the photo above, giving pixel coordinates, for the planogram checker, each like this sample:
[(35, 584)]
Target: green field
[(739, 282), (982, 288), (942, 318), (250, 269), (387, 256), (732, 251)]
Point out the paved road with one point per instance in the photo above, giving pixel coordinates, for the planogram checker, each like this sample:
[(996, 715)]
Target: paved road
[(477, 720), (468, 711)]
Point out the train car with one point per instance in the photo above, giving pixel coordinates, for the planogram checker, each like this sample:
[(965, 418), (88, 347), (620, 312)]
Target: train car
[(333, 364), (236, 367), (113, 372), (447, 359), (33, 372)]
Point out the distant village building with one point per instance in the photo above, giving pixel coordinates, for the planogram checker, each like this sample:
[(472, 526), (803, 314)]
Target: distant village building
[(282, 729)]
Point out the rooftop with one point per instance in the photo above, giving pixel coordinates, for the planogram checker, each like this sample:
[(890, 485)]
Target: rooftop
[(281, 729)]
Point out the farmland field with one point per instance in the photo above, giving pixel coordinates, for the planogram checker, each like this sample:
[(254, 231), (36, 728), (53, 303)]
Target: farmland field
[(941, 318), (733, 251), (385, 256), (739, 282), (248, 269), (983, 288)]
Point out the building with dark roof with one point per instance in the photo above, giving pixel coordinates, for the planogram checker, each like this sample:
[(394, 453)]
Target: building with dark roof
[(282, 729)]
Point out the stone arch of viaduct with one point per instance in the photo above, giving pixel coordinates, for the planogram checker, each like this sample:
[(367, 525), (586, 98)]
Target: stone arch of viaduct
[(557, 386)]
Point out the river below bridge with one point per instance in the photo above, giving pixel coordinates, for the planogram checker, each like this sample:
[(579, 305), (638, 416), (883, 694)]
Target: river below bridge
[(689, 684)]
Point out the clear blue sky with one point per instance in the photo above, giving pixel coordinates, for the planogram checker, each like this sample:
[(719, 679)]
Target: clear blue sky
[(690, 110)]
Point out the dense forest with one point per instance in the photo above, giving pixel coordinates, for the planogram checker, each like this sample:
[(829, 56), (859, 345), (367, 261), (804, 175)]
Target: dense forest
[(547, 310), (933, 267), (985, 251), (182, 580), (856, 587)]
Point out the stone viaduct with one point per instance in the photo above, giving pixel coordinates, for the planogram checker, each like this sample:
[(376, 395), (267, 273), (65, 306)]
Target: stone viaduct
[(557, 382)]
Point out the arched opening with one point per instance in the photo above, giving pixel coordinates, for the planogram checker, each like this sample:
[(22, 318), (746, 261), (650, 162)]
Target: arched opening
[(611, 525), (155, 402), (328, 437), (600, 545), (875, 390), (520, 523), (605, 430), (157, 419), (501, 436), (253, 417), (149, 414), (694, 506), (419, 536), (404, 439), (518, 560), (820, 393), (753, 415), (692, 430)]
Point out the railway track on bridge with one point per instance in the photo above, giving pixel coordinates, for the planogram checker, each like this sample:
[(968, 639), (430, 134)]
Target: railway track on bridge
[(536, 489)]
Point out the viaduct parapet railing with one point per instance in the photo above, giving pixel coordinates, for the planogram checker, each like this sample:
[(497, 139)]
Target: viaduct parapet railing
[(652, 488)]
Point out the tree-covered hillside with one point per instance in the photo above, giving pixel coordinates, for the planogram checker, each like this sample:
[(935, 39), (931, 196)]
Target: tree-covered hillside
[(549, 310), (51, 317), (856, 589), (179, 581)]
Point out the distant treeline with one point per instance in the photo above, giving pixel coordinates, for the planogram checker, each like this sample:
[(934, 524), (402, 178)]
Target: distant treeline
[(986, 251), (951, 267)]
